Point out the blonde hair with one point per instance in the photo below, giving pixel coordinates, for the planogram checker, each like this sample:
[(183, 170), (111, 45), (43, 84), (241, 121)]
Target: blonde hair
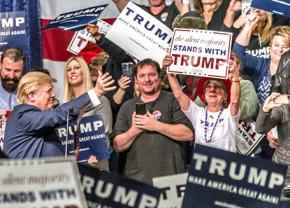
[(31, 82), (283, 31), (68, 90), (266, 31)]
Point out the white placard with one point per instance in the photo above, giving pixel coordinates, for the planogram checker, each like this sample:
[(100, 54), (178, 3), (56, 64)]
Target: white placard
[(103, 27), (140, 34), (2, 129), (81, 38), (79, 41), (3, 120), (247, 138), (173, 189), (42, 183), (200, 52), (246, 5)]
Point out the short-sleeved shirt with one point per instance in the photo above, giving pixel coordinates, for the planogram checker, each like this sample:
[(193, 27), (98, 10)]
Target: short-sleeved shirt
[(221, 130), (153, 154)]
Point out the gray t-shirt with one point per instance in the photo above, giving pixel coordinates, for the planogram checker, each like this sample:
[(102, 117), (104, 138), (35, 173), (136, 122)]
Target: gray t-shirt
[(153, 154)]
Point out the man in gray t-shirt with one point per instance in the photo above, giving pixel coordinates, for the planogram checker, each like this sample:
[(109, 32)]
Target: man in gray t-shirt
[(152, 144)]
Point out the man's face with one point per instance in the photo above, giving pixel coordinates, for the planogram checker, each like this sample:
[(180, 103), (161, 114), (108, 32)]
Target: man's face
[(11, 73), (148, 80), (156, 3), (44, 96)]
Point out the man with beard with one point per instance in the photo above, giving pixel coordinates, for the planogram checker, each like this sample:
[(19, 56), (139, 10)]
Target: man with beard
[(12, 63), (152, 144)]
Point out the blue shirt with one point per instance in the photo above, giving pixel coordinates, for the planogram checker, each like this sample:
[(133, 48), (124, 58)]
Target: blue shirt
[(7, 99), (256, 67)]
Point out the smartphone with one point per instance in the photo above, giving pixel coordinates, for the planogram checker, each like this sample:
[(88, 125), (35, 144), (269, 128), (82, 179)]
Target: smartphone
[(140, 108), (282, 99), (127, 69)]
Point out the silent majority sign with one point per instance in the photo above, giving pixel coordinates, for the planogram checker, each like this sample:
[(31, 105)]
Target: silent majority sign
[(40, 183)]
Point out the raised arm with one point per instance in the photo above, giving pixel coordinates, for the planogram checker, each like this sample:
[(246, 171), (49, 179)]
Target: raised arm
[(104, 84), (246, 33), (182, 6), (235, 87), (266, 120), (181, 97), (235, 5), (124, 83), (115, 52)]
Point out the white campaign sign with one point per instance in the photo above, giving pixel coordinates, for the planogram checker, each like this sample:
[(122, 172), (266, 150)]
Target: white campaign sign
[(200, 52), (79, 41), (247, 138), (82, 37), (140, 34), (173, 189), (3, 119), (41, 183)]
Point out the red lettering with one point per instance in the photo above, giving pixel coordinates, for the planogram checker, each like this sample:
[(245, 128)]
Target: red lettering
[(184, 60), (80, 41), (219, 62), (245, 127), (175, 57), (197, 62), (207, 63)]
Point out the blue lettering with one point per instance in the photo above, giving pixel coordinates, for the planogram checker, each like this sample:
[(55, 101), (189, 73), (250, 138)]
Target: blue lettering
[(161, 35), (208, 50), (138, 18), (129, 11), (146, 26), (215, 51)]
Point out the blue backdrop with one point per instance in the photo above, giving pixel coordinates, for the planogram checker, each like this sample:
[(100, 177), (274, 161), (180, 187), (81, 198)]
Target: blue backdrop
[(32, 13)]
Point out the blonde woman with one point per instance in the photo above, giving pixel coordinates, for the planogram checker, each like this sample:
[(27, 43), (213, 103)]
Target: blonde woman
[(261, 70), (77, 80), (260, 37)]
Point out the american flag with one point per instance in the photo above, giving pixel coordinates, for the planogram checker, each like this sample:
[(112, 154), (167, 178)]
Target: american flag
[(56, 41)]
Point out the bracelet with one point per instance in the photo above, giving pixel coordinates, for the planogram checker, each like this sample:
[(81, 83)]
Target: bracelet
[(236, 79)]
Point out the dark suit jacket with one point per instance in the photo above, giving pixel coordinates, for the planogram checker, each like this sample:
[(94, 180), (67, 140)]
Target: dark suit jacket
[(30, 132)]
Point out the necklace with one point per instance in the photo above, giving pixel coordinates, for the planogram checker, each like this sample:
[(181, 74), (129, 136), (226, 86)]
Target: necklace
[(206, 125)]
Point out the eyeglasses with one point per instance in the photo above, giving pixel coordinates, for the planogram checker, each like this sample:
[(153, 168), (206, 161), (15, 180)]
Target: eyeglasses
[(214, 87)]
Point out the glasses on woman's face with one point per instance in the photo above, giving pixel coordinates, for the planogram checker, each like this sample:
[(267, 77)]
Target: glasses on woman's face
[(211, 87)]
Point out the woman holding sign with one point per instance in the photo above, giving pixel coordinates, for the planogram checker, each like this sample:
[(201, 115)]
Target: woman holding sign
[(77, 81), (215, 124)]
